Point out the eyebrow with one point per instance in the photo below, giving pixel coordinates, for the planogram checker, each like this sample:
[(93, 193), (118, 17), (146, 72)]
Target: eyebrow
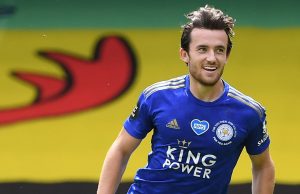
[(220, 46), (201, 46), (205, 46)]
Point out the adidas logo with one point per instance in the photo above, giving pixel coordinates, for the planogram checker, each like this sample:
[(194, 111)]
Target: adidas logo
[(173, 124)]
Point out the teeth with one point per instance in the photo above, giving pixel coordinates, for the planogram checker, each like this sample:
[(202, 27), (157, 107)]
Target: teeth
[(210, 68)]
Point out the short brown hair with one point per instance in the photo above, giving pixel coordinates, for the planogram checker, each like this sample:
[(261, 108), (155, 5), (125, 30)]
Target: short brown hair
[(207, 18)]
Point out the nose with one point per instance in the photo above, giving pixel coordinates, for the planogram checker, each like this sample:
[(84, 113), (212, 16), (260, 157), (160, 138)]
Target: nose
[(211, 57)]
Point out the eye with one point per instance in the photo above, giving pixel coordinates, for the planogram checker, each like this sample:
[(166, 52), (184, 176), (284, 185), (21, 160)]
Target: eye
[(221, 50), (202, 49)]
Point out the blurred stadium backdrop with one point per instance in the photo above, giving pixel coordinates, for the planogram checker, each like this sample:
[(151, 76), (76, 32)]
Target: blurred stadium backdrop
[(61, 107)]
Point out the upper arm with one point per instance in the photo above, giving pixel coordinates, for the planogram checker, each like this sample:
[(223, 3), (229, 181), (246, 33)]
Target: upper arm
[(261, 160), (258, 139), (126, 143), (139, 123)]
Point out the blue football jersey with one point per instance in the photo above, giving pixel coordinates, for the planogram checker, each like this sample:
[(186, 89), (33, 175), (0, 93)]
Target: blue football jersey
[(195, 144)]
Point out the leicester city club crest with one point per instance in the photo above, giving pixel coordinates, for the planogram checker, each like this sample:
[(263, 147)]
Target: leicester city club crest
[(224, 131)]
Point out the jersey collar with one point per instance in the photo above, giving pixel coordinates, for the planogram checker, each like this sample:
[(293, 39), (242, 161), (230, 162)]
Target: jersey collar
[(193, 98)]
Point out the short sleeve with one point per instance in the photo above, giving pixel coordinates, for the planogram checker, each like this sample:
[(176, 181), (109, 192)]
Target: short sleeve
[(258, 139), (139, 123)]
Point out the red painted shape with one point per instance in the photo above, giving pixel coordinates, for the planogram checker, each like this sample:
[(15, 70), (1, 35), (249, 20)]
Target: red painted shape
[(47, 86), (88, 83)]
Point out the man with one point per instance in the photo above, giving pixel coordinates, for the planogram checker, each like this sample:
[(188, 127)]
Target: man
[(200, 123)]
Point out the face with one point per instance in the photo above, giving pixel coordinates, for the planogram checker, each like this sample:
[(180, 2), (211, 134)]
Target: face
[(207, 55)]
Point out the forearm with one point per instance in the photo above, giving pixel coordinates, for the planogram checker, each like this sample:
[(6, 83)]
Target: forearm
[(263, 180), (112, 171)]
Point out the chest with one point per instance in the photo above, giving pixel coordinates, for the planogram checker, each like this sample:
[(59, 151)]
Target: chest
[(211, 129)]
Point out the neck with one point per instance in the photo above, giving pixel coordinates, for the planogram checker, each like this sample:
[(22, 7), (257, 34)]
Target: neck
[(207, 93)]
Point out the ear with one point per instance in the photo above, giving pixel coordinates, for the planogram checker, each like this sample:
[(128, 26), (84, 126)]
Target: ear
[(184, 56)]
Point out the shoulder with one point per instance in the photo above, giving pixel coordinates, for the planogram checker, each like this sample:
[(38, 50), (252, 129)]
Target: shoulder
[(246, 101), (167, 85)]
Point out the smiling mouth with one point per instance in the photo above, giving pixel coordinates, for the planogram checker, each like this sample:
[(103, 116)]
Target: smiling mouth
[(210, 68)]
